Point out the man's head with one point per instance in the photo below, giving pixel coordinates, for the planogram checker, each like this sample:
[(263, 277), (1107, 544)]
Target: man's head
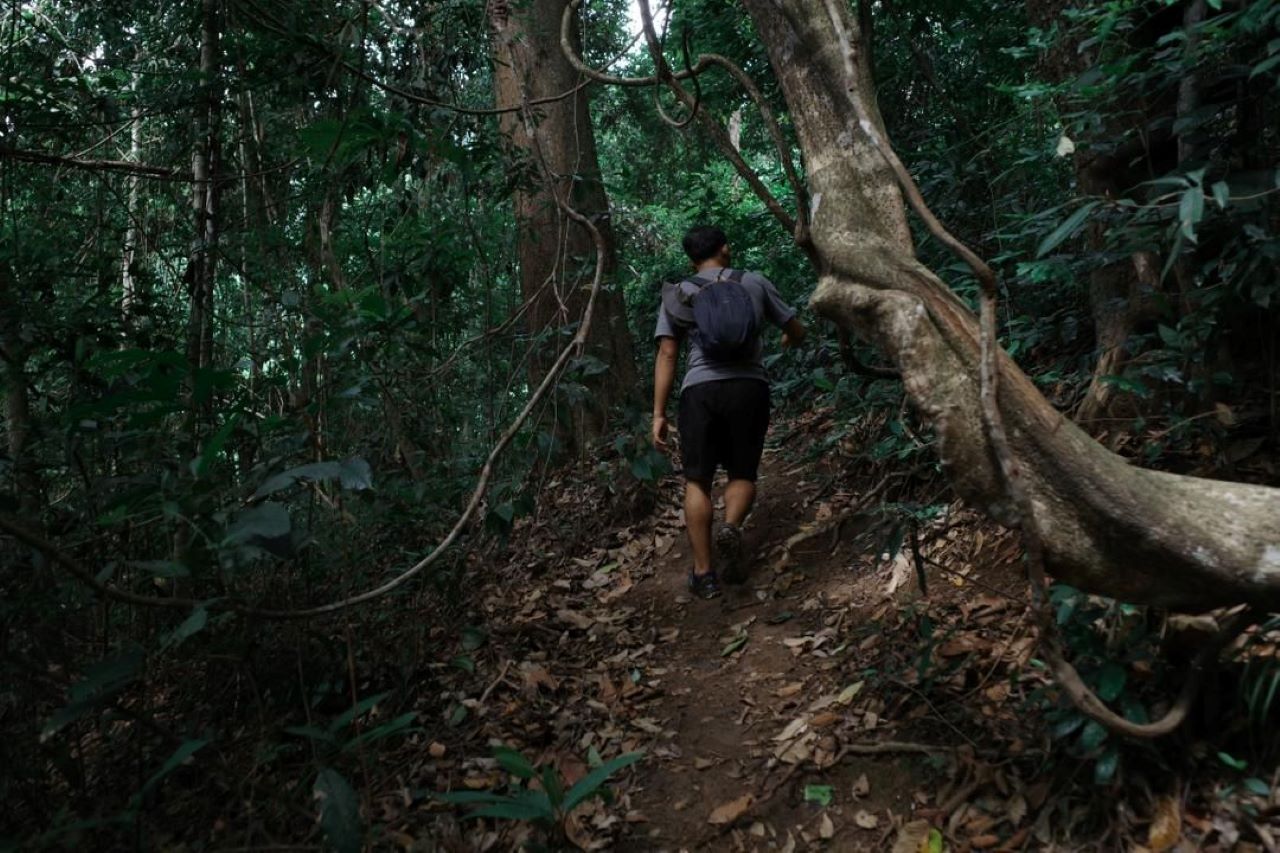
[(704, 243)]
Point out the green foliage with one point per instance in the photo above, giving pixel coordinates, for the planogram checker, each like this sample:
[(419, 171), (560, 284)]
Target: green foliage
[(547, 804), (339, 812), (1107, 640)]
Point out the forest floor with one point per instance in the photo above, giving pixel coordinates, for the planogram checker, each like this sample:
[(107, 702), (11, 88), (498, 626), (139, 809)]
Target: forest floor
[(827, 703)]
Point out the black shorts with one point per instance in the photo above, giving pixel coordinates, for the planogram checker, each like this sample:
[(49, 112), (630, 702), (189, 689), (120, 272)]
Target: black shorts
[(723, 423)]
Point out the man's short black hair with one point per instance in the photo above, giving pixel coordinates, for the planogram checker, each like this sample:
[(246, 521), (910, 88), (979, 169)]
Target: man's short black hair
[(702, 242)]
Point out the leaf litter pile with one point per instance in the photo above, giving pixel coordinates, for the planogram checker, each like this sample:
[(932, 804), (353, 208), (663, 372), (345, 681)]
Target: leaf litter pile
[(828, 703)]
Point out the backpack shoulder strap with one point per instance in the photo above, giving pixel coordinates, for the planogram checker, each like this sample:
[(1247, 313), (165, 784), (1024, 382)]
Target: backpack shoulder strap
[(736, 276)]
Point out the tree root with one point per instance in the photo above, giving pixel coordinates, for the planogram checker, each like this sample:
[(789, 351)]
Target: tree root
[(1088, 703), (836, 521)]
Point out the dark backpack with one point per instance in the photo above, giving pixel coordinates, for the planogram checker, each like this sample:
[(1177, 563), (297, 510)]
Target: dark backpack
[(721, 313)]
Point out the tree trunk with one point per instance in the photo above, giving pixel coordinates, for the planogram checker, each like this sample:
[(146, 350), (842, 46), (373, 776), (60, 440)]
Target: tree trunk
[(133, 211), (1110, 528), (552, 150), (201, 264)]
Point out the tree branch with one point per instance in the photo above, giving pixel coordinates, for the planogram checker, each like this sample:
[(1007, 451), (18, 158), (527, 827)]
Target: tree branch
[(126, 167), (797, 226)]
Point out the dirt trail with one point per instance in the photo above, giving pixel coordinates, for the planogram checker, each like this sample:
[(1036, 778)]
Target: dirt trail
[(721, 710), (770, 718), (828, 705)]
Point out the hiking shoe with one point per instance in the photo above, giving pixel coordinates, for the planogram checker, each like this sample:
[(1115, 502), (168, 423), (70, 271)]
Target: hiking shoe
[(704, 586), (728, 541)]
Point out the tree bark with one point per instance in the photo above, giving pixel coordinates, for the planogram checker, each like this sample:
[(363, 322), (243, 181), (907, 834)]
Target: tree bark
[(202, 261), (552, 150), (1107, 527), (133, 211)]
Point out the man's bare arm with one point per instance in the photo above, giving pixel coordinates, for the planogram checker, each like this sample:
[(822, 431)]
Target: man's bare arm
[(664, 377), (793, 333)]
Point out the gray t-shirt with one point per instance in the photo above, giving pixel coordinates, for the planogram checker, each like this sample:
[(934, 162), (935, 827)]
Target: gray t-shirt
[(769, 306)]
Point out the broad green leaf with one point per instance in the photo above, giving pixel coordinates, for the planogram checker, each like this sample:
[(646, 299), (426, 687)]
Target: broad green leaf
[(101, 681), (934, 842), (1232, 762), (190, 626), (264, 521), (311, 732), (1190, 211), (1092, 736), (1111, 682), (1068, 726), (514, 762), (1221, 194), (1104, 769), (353, 474), (399, 725), (1066, 230), (339, 811), (552, 784), (513, 810), (1171, 337), (589, 784), (1257, 786), (187, 749), (473, 638), (360, 708), (1264, 66)]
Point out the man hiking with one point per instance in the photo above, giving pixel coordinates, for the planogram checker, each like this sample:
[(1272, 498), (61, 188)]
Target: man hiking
[(724, 399)]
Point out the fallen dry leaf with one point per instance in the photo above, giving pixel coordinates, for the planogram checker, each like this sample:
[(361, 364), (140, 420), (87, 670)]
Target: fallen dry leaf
[(702, 763), (861, 786), (731, 811), (1166, 825), (437, 750), (826, 828), (912, 837), (581, 621), (1016, 809), (788, 690), (793, 728), (865, 819)]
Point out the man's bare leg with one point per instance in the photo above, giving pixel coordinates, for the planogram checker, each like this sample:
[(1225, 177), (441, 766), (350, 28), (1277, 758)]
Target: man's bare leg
[(697, 521), (739, 495)]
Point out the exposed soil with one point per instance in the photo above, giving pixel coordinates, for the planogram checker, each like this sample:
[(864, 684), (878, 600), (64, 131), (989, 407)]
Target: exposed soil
[(828, 703), (765, 714)]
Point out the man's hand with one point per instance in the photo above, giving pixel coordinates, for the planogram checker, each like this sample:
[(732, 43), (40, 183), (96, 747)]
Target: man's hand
[(793, 333), (660, 432)]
